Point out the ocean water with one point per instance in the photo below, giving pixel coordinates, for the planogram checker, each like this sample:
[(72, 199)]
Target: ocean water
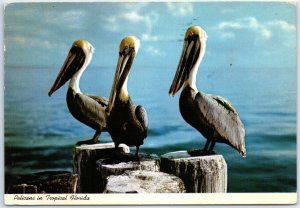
[(40, 132)]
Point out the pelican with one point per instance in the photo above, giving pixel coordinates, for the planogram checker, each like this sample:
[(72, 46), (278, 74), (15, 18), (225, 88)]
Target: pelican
[(88, 109), (126, 123), (213, 116)]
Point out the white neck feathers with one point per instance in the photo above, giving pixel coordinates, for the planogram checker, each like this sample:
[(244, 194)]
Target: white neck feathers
[(191, 81), (74, 82), (124, 92)]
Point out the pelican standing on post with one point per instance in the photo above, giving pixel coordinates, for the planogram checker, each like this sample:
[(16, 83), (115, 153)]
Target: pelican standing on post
[(126, 123), (213, 116), (88, 109)]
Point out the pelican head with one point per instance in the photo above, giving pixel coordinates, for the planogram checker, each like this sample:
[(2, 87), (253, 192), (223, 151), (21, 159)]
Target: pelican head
[(192, 53), (78, 58), (129, 47)]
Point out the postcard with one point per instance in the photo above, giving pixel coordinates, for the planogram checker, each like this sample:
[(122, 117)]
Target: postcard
[(154, 103)]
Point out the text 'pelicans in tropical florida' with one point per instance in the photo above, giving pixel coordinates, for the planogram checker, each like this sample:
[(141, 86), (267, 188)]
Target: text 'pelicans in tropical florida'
[(88, 109), (126, 123), (213, 116)]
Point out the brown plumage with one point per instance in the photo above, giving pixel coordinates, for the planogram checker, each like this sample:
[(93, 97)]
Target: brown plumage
[(126, 123), (213, 116), (88, 109)]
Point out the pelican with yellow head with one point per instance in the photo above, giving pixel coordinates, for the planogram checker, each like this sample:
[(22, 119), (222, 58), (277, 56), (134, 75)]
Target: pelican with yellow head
[(213, 116), (127, 123), (88, 109)]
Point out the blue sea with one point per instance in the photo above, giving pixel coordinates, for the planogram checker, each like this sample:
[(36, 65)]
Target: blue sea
[(40, 132)]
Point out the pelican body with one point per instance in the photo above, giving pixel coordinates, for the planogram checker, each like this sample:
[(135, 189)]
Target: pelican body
[(127, 123), (88, 109), (213, 116)]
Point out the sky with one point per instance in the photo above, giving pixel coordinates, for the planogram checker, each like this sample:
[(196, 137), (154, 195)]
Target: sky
[(240, 34)]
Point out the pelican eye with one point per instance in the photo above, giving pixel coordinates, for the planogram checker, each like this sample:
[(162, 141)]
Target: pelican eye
[(191, 37), (126, 50)]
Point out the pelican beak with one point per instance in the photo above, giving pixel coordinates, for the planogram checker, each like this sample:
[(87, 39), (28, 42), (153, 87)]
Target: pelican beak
[(129, 47), (125, 62), (72, 64), (189, 56)]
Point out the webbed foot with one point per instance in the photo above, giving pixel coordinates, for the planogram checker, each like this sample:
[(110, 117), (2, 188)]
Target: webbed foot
[(94, 140), (89, 141)]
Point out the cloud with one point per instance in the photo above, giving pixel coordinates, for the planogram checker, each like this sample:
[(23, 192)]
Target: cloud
[(136, 18), (129, 19), (249, 24), (283, 25), (264, 30), (227, 35), (154, 51), (179, 9), (229, 25), (148, 37)]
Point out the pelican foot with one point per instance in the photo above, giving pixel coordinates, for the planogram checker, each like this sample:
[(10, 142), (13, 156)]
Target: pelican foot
[(200, 152), (90, 141)]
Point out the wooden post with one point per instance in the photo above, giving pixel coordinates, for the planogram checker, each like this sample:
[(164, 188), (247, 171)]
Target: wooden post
[(204, 174), (106, 168), (85, 157), (46, 182), (141, 181), (22, 189)]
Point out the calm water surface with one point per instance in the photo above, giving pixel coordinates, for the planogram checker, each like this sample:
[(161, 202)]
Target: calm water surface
[(40, 132)]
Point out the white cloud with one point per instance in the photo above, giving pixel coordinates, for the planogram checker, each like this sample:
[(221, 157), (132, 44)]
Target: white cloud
[(72, 15), (249, 23), (229, 25), (23, 42), (136, 18), (265, 30), (179, 9), (227, 35), (254, 25), (283, 25), (148, 37), (131, 19), (154, 51)]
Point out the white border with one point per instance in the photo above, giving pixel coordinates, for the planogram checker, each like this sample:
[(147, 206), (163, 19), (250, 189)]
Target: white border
[(159, 199), (152, 199)]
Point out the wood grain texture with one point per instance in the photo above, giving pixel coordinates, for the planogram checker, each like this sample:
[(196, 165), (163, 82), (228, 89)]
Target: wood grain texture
[(53, 182), (84, 163), (204, 174)]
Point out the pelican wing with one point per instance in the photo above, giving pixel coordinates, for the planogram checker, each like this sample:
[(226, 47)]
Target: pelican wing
[(141, 115), (92, 109), (222, 116), (101, 100), (225, 103)]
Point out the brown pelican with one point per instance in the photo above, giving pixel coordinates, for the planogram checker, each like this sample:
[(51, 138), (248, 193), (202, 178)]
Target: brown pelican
[(213, 116), (126, 123), (88, 109)]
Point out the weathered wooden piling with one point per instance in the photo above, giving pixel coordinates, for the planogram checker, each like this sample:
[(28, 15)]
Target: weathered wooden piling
[(22, 189), (144, 182), (84, 163), (106, 167), (203, 174), (46, 182)]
